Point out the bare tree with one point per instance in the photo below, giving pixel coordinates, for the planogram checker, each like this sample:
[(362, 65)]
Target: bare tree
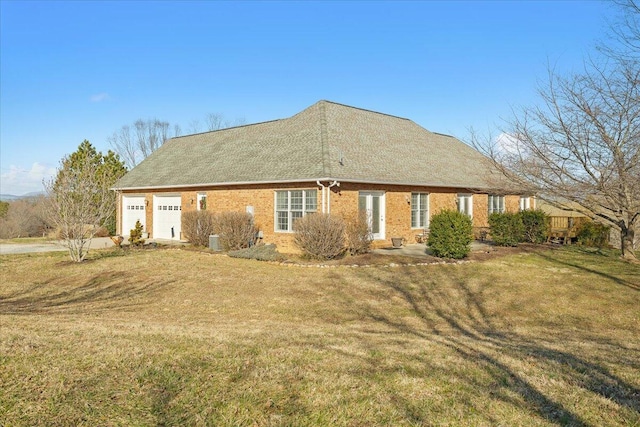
[(123, 144), (194, 126), (216, 121), (150, 135), (134, 144), (24, 218), (581, 147), (80, 199), (624, 40)]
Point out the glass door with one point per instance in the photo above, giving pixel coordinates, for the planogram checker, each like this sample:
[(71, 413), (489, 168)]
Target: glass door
[(372, 202)]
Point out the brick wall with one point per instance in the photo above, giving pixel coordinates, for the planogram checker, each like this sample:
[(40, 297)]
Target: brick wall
[(148, 214), (512, 204), (481, 210), (343, 200), (262, 199)]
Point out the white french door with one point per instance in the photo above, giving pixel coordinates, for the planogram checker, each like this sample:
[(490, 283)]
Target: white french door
[(372, 202)]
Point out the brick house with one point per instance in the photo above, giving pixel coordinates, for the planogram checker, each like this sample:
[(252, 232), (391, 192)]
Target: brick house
[(328, 158)]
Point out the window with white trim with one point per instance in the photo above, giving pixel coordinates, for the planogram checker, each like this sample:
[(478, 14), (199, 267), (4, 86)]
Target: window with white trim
[(294, 204), (496, 204), (525, 203), (465, 204), (420, 210)]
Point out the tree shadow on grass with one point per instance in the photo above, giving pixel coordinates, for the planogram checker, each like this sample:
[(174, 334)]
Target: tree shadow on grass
[(103, 291), (454, 315), (593, 269)]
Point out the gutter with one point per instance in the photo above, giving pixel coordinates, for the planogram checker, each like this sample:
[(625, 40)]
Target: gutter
[(302, 180)]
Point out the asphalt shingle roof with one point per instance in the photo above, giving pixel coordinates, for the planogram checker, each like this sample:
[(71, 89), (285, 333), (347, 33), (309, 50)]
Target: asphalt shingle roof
[(325, 141)]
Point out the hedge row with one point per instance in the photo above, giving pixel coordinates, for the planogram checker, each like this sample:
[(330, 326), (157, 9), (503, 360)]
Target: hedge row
[(509, 229)]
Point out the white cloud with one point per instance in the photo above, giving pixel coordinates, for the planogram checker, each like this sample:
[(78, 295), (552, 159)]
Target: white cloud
[(507, 144), (99, 97), (19, 181)]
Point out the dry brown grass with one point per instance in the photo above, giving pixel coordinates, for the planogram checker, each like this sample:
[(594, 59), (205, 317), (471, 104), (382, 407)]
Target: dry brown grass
[(175, 337)]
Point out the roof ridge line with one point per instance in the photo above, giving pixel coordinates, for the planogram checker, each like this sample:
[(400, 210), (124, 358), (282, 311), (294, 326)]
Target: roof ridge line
[(230, 127), (443, 134), (364, 109)]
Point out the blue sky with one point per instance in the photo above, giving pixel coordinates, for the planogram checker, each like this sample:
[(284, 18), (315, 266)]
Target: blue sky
[(71, 71)]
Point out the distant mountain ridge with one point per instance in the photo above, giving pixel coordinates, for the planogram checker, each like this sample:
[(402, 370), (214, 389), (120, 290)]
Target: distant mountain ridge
[(11, 197)]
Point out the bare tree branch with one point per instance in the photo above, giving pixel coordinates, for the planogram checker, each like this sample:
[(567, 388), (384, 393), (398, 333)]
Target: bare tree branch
[(137, 143), (216, 121)]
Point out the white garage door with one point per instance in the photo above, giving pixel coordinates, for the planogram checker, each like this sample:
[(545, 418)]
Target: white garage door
[(166, 217), (132, 211)]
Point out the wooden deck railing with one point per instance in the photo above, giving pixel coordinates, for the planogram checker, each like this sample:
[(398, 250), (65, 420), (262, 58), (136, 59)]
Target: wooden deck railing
[(563, 228)]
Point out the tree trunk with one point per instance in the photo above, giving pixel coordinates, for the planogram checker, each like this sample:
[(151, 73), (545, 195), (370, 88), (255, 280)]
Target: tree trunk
[(627, 236)]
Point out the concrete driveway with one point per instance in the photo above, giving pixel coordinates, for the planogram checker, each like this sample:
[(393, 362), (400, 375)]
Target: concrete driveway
[(52, 246)]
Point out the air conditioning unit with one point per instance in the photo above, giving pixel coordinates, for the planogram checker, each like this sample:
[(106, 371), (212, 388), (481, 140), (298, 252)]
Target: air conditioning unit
[(214, 242)]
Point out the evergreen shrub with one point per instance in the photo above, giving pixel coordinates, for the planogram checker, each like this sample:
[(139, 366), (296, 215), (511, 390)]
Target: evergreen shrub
[(536, 225), (593, 234), (135, 235), (507, 228), (259, 252), (450, 234)]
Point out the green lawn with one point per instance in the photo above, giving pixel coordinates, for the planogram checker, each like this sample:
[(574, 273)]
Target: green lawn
[(178, 337)]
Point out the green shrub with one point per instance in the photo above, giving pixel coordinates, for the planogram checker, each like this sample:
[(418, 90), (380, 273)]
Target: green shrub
[(593, 234), (259, 252), (536, 225), (450, 234), (506, 228), (197, 226), (320, 236), (4, 209), (236, 230), (135, 235), (358, 235)]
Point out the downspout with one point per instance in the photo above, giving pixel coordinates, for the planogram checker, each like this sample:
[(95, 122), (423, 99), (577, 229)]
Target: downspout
[(334, 183), (323, 188)]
